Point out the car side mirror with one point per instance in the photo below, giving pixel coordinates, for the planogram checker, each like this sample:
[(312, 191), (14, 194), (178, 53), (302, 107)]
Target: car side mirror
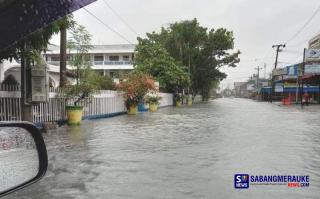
[(23, 156)]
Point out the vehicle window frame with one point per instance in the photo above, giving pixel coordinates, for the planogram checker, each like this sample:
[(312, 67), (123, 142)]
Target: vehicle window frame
[(41, 150)]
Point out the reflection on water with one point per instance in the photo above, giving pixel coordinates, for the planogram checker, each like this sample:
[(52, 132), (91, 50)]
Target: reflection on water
[(184, 153)]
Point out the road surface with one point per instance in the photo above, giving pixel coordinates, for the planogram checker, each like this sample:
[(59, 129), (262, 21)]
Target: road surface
[(188, 152)]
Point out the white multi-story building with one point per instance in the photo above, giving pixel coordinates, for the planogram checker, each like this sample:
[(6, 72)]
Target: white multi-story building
[(112, 60), (314, 43)]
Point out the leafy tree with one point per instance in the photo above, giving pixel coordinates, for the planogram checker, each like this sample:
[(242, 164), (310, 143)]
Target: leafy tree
[(153, 59), (102, 82), (203, 52), (79, 45)]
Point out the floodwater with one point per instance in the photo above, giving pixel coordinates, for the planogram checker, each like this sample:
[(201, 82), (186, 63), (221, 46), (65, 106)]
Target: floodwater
[(188, 152)]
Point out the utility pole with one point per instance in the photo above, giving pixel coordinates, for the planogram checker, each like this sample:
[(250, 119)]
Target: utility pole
[(26, 108), (189, 67), (258, 69), (265, 70), (63, 56), (278, 49)]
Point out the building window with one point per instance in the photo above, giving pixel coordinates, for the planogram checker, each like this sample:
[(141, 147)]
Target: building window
[(114, 58), (126, 58), (98, 58)]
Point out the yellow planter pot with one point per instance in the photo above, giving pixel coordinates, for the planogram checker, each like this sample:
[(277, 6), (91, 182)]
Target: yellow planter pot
[(153, 107), (178, 103), (133, 110), (74, 114)]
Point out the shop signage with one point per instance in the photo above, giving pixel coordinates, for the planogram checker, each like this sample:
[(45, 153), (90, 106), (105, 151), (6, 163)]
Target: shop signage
[(312, 69), (251, 87), (287, 84), (312, 55), (279, 72), (292, 70), (278, 88)]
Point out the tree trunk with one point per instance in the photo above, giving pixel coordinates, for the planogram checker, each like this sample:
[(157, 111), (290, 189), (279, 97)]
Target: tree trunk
[(63, 56)]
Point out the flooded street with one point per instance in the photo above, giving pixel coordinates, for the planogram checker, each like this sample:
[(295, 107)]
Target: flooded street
[(188, 152)]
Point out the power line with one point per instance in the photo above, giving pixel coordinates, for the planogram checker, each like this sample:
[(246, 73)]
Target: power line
[(108, 27), (121, 18), (302, 42), (255, 60), (305, 25)]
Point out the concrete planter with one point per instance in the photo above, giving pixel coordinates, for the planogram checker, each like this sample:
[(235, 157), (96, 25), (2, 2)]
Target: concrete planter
[(133, 110), (74, 114), (153, 107)]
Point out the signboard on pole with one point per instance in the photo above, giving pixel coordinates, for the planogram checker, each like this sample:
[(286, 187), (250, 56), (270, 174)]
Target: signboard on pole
[(312, 55), (279, 72), (251, 87), (39, 79)]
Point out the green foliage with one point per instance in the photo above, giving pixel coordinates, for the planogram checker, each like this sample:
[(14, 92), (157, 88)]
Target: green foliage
[(10, 80), (153, 59), (178, 97), (87, 81), (135, 87), (205, 51), (79, 44), (90, 82), (104, 82), (150, 99), (66, 22)]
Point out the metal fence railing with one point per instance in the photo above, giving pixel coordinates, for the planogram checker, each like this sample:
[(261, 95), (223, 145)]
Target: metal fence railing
[(102, 103)]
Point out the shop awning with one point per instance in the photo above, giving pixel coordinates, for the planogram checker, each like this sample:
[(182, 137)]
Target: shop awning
[(311, 79), (19, 18), (309, 89)]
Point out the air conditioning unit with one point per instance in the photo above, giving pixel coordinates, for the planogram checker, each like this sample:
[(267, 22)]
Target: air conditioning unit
[(39, 85)]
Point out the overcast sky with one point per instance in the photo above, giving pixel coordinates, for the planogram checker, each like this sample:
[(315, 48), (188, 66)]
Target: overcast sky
[(257, 25)]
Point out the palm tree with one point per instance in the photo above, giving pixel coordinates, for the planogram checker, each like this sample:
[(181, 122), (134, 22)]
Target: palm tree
[(64, 24)]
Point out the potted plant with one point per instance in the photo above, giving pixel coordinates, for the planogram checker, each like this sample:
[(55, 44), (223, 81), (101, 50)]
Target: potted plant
[(153, 102), (134, 88), (86, 84), (189, 100), (178, 99), (76, 96), (143, 106)]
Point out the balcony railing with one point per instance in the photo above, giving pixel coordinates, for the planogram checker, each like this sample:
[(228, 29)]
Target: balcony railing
[(100, 63), (118, 62)]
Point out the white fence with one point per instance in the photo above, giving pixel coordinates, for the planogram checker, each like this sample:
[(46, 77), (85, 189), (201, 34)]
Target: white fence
[(100, 105), (166, 99), (103, 104)]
